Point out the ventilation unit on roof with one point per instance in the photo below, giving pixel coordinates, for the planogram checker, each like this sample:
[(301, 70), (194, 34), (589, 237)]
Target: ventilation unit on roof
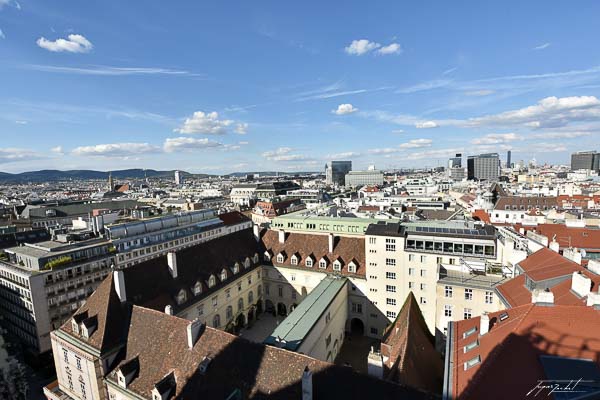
[(503, 316)]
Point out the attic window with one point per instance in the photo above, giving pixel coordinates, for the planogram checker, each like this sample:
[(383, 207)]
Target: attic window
[(267, 256), (472, 362), (223, 275), (471, 346), (352, 268), (255, 257), (236, 269), (469, 332), (322, 264), (337, 266), (294, 260), (197, 289), (212, 281), (503, 316), (309, 262), (247, 262), (181, 297), (279, 258)]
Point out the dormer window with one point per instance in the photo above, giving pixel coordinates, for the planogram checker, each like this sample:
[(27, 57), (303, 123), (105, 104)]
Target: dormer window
[(74, 326), (267, 256), (322, 263), (294, 259), (237, 265), (280, 257), (236, 268), (212, 281), (197, 289), (352, 267), (337, 265), (247, 262), (309, 262), (181, 297), (223, 275), (255, 258)]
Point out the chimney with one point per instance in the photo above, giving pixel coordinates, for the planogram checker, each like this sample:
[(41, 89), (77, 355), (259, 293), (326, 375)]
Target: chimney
[(594, 266), (119, 280), (593, 300), (581, 284), (172, 261), (554, 246), (484, 324), (572, 254), (282, 237), (169, 309), (194, 330), (331, 242), (256, 230), (307, 389), (542, 297)]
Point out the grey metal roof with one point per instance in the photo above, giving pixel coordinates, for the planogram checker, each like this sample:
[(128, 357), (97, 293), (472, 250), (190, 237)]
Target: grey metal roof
[(292, 330)]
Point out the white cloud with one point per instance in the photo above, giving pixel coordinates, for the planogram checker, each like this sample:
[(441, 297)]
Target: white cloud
[(73, 44), (57, 149), (115, 150), (398, 131), (2, 35), (283, 154), (542, 46), (21, 122), (344, 109), (432, 154), (559, 135), (346, 154), (205, 123), (479, 93), (107, 70), (393, 48), (11, 154), (12, 3), (360, 47), (548, 112), (243, 143), (449, 71), (188, 143), (241, 129), (385, 150), (497, 138), (429, 85), (426, 125), (416, 143)]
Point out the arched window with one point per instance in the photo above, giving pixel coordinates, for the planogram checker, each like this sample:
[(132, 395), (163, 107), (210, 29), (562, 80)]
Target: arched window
[(250, 297), (240, 304), (216, 321), (229, 313), (259, 290)]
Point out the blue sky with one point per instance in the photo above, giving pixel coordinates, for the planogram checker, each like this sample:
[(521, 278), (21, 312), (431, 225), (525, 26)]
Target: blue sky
[(235, 86)]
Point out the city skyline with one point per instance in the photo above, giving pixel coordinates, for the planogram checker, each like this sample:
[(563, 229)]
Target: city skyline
[(217, 88)]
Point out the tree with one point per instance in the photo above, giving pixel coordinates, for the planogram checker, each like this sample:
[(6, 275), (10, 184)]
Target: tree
[(19, 378), (4, 387)]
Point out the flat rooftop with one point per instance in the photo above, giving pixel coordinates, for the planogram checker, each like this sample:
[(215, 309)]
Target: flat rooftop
[(474, 280), (51, 247), (291, 332)]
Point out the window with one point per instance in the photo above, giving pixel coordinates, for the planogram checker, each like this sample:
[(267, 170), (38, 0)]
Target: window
[(390, 314), (357, 308), (448, 291), (390, 262), (294, 260), (78, 362), (423, 286), (472, 362), (411, 285), (468, 313), (82, 387), (352, 267), (69, 377), (200, 309), (327, 317), (439, 260), (309, 262), (469, 332), (267, 289), (293, 277), (337, 266), (423, 259), (322, 264), (280, 291), (250, 297), (471, 346), (328, 340), (489, 297), (372, 240), (279, 258), (411, 271), (240, 304), (390, 288), (227, 293), (411, 257), (468, 294), (423, 273), (216, 321), (390, 244), (390, 302), (373, 331), (229, 313), (66, 355), (214, 301), (423, 300), (447, 310), (390, 275)]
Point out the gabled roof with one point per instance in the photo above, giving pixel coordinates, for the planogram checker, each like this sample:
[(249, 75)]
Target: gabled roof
[(410, 348), (104, 304), (510, 352), (547, 264)]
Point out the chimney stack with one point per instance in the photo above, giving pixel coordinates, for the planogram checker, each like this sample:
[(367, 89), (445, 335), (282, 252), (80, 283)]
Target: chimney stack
[(331, 242), (282, 237), (194, 330), (484, 324), (554, 246), (594, 266), (172, 261), (542, 297), (119, 280), (581, 284), (593, 300), (307, 388), (256, 230)]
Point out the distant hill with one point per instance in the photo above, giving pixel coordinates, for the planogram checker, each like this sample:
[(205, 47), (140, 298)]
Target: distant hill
[(56, 175)]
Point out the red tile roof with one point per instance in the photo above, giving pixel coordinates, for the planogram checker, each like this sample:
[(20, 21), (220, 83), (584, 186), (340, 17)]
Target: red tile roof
[(546, 264), (510, 351), (481, 215), (581, 238)]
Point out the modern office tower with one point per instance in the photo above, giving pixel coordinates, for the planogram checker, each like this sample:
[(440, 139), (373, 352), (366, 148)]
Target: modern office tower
[(335, 172), (362, 178), (508, 159), (483, 167), (455, 162), (178, 177), (589, 160)]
